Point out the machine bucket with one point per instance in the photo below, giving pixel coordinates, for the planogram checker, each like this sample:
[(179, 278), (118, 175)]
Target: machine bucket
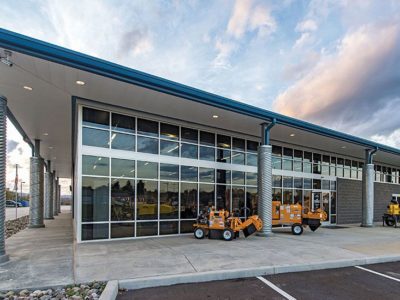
[(249, 230)]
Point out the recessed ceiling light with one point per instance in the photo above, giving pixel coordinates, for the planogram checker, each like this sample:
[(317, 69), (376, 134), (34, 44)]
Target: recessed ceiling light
[(215, 116), (54, 158), (343, 147), (45, 134), (80, 82), (51, 147), (292, 134), (28, 88)]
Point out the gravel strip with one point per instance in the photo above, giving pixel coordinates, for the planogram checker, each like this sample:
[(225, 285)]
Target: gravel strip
[(13, 226), (91, 291)]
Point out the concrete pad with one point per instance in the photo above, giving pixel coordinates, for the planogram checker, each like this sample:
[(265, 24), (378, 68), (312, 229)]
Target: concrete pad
[(40, 257), (172, 260)]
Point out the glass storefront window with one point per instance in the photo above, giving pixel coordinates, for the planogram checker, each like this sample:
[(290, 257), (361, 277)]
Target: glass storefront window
[(95, 137), (237, 158), (287, 164), (298, 182), (95, 165), (189, 151), (147, 169), (238, 177), (287, 153), (251, 178), (189, 173), (95, 199), (168, 227), (238, 144), (277, 194), (122, 230), (307, 156), (252, 146), (122, 141), (297, 196), (169, 131), (207, 138), (316, 184), (298, 154), (238, 201), (277, 151), (287, 196), (122, 167), (224, 176), (94, 232), (95, 118), (147, 200), (207, 153), (122, 199), (306, 201), (276, 162), (223, 197), (223, 141), (147, 145), (287, 182), (188, 209), (169, 172), (317, 169), (297, 166), (123, 123), (206, 175), (146, 228), (223, 156), (276, 181), (307, 183), (251, 200), (325, 185), (251, 159), (169, 148), (206, 197), (316, 158), (189, 135), (169, 200), (147, 127), (307, 167)]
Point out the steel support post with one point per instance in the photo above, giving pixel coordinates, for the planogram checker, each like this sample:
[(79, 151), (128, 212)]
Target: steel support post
[(55, 209), (265, 180), (3, 155), (59, 196), (36, 203), (48, 201), (368, 190)]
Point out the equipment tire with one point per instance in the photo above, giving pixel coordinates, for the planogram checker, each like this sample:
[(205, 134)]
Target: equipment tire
[(390, 221), (297, 229), (228, 234), (199, 233)]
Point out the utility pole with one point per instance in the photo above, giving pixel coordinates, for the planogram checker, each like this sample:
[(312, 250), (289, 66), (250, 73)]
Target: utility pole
[(20, 197)]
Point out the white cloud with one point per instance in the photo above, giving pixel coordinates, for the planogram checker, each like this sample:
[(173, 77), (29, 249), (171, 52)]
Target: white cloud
[(306, 25), (305, 39), (247, 17), (392, 139)]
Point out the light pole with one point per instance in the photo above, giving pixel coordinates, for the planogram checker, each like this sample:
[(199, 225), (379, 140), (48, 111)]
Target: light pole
[(16, 191), (20, 197)]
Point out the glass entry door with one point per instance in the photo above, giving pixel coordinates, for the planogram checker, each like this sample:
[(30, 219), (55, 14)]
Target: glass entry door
[(321, 199), (316, 200)]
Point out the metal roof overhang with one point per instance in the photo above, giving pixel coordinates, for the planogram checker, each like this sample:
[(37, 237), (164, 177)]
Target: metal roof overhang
[(53, 70)]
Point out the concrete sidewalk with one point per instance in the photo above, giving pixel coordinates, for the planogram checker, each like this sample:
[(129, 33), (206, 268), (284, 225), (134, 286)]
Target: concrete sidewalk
[(158, 261), (40, 257)]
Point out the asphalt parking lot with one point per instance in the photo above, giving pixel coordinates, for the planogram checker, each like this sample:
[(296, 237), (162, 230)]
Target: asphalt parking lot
[(380, 281)]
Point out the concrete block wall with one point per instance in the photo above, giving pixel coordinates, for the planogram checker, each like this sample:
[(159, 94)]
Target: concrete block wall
[(349, 200)]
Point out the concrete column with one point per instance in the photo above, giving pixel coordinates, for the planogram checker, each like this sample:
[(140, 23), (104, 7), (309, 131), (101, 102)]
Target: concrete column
[(368, 196), (3, 155), (48, 201), (36, 203), (59, 196), (55, 210), (265, 188)]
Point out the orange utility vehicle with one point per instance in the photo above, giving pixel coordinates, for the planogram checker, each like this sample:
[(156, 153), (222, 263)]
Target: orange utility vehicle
[(217, 224), (293, 215)]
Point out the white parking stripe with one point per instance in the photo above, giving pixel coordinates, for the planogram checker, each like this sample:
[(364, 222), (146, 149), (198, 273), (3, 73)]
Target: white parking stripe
[(377, 273), (274, 287)]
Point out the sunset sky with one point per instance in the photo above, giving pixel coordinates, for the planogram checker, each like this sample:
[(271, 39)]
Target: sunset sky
[(334, 63)]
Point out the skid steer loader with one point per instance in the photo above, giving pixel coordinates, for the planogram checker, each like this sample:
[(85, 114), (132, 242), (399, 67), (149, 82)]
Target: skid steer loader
[(217, 224)]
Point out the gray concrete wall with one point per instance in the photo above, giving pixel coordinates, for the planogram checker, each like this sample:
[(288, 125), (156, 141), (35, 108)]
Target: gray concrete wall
[(349, 200)]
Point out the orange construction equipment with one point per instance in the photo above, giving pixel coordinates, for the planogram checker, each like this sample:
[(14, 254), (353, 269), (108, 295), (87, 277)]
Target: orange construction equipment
[(293, 215), (217, 224)]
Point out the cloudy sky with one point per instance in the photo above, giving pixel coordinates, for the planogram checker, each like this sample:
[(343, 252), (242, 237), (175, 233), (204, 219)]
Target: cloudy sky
[(335, 63)]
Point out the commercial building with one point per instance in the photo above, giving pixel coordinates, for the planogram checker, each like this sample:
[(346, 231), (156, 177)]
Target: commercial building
[(146, 155)]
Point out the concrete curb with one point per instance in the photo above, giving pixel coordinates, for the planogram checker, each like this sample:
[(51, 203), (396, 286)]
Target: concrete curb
[(111, 291), (146, 282)]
